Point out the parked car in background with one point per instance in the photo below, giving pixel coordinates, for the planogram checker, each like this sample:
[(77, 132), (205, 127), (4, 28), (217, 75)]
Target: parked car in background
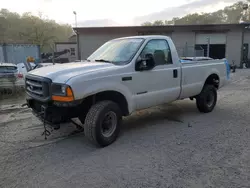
[(23, 70), (10, 77)]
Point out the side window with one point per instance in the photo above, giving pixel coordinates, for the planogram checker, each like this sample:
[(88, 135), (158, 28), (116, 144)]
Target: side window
[(160, 51)]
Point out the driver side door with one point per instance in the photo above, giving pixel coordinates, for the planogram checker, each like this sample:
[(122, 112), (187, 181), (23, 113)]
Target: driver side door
[(160, 84)]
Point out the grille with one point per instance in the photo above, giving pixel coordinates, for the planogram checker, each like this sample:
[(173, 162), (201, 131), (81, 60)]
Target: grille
[(37, 87)]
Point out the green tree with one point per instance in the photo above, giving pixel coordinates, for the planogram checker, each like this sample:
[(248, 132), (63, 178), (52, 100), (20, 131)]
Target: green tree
[(27, 28), (234, 13), (158, 23), (230, 14), (147, 24)]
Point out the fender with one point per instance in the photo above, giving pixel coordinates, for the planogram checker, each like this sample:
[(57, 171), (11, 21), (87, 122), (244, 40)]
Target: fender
[(213, 71), (91, 89)]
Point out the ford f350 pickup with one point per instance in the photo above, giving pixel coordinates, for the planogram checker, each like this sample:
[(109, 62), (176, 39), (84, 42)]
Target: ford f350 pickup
[(122, 76)]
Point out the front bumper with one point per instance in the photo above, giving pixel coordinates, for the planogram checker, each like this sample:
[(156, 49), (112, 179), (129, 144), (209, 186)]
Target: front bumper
[(39, 98), (53, 113)]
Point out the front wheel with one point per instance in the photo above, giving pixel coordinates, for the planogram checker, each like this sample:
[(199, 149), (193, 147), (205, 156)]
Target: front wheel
[(207, 99), (102, 123)]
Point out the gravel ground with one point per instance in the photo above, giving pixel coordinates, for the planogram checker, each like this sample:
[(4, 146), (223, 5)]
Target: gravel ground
[(166, 146)]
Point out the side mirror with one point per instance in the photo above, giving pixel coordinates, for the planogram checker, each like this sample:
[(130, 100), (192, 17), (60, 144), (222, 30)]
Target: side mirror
[(146, 63)]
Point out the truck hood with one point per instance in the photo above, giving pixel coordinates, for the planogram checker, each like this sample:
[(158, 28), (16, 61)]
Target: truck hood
[(61, 73)]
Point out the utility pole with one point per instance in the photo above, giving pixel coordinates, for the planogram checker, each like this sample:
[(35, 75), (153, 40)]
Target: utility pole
[(245, 11), (186, 50), (77, 37), (74, 12), (52, 46), (208, 46)]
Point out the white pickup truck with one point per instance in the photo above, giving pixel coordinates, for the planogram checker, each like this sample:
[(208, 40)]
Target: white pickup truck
[(122, 76)]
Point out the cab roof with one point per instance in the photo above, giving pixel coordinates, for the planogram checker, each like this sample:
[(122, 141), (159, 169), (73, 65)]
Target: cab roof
[(145, 37)]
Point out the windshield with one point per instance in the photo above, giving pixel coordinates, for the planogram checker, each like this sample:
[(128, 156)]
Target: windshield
[(119, 51)]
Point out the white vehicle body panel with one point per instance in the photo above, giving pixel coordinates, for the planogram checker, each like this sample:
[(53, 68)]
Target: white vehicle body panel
[(194, 75), (61, 73), (158, 84), (146, 88)]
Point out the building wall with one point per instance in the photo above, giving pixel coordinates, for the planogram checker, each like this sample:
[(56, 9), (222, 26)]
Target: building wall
[(72, 55), (2, 59), (165, 33), (72, 38), (18, 53), (214, 38), (182, 38), (184, 42), (90, 42), (234, 46)]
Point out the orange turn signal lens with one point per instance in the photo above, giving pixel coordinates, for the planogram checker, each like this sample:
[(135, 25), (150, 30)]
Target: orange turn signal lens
[(62, 98), (69, 92), (69, 96)]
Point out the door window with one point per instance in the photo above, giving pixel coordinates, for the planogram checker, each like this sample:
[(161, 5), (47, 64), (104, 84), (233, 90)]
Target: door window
[(159, 50)]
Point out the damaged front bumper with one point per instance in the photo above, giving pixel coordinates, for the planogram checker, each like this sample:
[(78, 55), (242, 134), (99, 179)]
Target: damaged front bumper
[(54, 113)]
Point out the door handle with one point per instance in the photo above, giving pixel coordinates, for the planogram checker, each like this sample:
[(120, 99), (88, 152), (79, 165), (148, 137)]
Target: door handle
[(175, 73)]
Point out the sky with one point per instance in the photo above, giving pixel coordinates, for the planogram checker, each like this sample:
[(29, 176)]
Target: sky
[(125, 12)]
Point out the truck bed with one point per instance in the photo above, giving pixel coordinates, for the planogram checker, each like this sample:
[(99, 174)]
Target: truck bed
[(195, 72)]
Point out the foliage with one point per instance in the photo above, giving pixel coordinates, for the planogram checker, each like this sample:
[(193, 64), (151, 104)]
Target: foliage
[(155, 23), (147, 24), (27, 28), (230, 14)]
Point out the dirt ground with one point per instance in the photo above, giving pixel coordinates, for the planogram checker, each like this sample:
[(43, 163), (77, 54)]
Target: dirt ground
[(166, 146)]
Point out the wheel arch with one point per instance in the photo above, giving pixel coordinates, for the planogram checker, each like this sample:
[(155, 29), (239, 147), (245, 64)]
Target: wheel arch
[(97, 89), (213, 79), (111, 95)]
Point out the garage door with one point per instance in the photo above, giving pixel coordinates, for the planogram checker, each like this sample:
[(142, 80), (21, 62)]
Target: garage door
[(215, 38)]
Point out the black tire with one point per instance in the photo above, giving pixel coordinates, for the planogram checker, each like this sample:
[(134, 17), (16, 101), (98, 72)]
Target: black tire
[(94, 123), (207, 99)]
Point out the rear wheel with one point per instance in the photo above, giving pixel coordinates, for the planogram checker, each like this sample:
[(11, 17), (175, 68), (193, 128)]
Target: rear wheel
[(102, 123), (207, 99)]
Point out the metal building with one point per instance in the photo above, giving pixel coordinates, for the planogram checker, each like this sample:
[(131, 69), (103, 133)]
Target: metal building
[(17, 53), (229, 41)]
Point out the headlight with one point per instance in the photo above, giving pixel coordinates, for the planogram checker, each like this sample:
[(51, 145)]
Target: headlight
[(59, 89), (63, 89), (62, 92)]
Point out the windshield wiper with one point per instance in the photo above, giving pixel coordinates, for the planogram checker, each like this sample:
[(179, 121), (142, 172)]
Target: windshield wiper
[(102, 60)]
